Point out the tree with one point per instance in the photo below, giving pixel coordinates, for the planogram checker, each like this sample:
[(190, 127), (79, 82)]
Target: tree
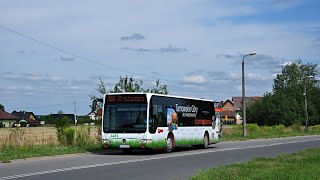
[(129, 84), (48, 119), (60, 112), (159, 89), (285, 105)]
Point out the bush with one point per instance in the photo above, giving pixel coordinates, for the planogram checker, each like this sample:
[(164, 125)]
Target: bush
[(23, 123), (84, 119), (296, 127), (315, 128), (69, 134), (252, 128), (83, 136), (62, 123), (280, 128), (65, 134)]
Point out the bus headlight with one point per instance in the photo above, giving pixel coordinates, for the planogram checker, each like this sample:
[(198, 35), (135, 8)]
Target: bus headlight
[(106, 141), (145, 141)]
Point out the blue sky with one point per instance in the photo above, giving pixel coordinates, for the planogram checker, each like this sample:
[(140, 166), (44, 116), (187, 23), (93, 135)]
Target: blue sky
[(194, 47)]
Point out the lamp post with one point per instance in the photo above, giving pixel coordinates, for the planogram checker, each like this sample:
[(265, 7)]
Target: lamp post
[(243, 97), (305, 101)]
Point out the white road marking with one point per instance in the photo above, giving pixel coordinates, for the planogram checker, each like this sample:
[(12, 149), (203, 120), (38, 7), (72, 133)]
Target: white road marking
[(145, 159)]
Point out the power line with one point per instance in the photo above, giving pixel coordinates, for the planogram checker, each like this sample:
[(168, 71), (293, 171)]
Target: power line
[(78, 56)]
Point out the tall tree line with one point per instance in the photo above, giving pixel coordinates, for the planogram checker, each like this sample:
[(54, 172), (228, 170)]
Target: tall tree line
[(286, 104)]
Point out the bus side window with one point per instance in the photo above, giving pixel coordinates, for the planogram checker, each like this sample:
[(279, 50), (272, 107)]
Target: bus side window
[(161, 119)]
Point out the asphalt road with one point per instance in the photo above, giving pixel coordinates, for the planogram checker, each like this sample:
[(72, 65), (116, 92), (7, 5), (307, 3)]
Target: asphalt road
[(180, 164)]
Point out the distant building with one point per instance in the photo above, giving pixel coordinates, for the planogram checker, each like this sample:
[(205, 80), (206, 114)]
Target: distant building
[(228, 113), (95, 115), (7, 119), (237, 102), (31, 119)]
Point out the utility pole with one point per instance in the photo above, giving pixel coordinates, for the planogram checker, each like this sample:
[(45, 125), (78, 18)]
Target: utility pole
[(305, 105), (75, 112), (244, 129), (305, 101)]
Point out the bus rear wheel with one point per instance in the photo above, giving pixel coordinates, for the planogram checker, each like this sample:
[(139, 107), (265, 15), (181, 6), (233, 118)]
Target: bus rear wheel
[(169, 146), (205, 141)]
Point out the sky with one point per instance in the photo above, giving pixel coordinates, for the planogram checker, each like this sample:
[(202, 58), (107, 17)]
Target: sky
[(52, 53)]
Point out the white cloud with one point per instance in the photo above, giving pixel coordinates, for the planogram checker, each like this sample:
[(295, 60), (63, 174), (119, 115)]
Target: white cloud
[(67, 57), (197, 79), (168, 49), (253, 76), (29, 77), (135, 36)]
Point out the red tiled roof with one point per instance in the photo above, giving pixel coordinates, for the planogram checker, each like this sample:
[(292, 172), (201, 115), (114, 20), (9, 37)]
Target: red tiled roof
[(7, 116), (24, 115), (237, 101), (228, 100)]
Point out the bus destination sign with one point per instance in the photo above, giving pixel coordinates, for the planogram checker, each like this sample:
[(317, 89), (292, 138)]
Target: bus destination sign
[(126, 99)]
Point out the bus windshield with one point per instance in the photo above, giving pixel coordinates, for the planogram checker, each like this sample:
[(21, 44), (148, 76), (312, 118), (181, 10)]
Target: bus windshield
[(125, 118)]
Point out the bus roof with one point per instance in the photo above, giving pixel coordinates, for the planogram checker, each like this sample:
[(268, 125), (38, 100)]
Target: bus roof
[(163, 95)]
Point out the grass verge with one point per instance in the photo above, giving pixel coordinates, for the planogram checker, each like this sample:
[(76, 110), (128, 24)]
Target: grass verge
[(301, 165), (234, 132), (8, 154)]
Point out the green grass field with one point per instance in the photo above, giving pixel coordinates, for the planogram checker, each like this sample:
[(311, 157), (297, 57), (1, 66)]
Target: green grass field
[(301, 165)]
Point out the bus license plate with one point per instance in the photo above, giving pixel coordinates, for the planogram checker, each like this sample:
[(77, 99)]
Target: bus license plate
[(124, 146)]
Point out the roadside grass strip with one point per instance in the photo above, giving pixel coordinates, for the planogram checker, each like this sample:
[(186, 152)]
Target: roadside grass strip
[(8, 154), (15, 148), (301, 165), (234, 132)]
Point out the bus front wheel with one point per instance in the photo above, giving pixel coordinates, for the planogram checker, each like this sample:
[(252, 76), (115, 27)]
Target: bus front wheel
[(169, 146)]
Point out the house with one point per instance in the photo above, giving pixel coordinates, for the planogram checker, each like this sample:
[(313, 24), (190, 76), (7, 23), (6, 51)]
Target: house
[(31, 119), (95, 116), (237, 102), (7, 119), (228, 113), (92, 115)]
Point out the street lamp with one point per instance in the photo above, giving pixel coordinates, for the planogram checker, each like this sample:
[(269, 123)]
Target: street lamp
[(305, 101), (243, 96)]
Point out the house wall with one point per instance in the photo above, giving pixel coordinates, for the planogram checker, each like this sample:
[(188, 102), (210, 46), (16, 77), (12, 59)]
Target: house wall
[(31, 117), (228, 107), (7, 123)]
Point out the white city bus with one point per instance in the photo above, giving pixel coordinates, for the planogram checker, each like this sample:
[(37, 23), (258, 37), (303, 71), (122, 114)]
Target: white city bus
[(154, 121)]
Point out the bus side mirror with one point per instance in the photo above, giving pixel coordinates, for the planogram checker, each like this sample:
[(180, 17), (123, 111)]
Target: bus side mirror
[(95, 103), (154, 109)]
